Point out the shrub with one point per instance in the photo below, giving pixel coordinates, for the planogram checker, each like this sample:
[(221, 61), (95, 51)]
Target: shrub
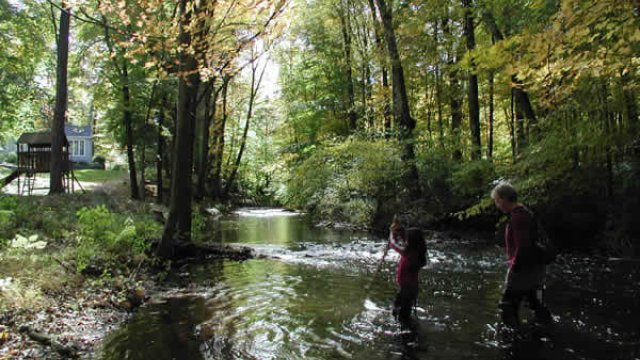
[(8, 205), (473, 179), (106, 237), (343, 181), (9, 157), (436, 167), (100, 160)]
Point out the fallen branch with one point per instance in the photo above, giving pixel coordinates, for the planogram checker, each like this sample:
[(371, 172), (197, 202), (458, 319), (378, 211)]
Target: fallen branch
[(68, 351), (191, 250)]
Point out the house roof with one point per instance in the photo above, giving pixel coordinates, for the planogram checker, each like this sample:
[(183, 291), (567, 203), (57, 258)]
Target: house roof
[(42, 138), (76, 130)]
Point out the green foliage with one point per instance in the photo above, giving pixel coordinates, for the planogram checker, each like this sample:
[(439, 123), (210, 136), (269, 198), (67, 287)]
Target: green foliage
[(435, 169), (8, 205), (343, 181), (7, 221), (198, 224), (104, 236), (8, 157), (473, 179)]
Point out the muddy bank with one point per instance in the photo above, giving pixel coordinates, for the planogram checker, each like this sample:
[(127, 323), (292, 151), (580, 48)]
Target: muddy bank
[(78, 321)]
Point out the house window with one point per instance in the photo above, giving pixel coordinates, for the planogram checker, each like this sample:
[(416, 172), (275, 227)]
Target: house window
[(77, 147)]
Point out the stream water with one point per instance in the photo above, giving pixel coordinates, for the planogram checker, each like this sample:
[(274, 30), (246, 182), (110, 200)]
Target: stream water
[(312, 298)]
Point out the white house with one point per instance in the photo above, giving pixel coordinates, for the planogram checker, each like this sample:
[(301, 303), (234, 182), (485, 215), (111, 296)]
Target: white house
[(81, 143)]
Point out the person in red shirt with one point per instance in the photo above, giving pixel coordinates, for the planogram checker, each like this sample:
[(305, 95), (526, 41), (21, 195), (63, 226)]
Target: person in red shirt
[(412, 249), (525, 273)]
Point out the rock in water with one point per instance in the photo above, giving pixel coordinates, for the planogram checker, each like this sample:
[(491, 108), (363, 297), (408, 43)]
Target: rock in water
[(214, 213)]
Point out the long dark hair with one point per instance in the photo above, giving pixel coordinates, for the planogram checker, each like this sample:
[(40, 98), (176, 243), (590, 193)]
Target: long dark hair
[(416, 248)]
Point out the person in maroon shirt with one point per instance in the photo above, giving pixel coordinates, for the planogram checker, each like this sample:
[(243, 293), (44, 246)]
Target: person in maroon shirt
[(525, 273), (412, 257)]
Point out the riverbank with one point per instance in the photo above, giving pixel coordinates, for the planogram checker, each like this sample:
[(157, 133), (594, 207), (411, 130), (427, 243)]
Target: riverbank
[(65, 283), (75, 266)]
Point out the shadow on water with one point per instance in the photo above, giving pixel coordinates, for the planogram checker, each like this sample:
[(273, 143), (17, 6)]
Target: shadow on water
[(312, 302)]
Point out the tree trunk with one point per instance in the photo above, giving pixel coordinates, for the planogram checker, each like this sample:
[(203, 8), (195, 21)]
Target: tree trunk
[(519, 128), (143, 150), (160, 152), (439, 91), (455, 105), (178, 226), (58, 160), (607, 122), (386, 107), (255, 86), (456, 113), (402, 115), (511, 124), (218, 143), (491, 114), (521, 96), (474, 103), (631, 115), (128, 120), (346, 38), (209, 114), (367, 89)]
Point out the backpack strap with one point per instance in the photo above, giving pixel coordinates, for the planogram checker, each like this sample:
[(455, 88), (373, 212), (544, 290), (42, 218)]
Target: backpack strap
[(533, 222)]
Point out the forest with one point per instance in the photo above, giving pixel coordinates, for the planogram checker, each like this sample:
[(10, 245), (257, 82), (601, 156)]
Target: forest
[(350, 111)]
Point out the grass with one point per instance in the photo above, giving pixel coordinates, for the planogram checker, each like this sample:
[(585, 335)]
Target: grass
[(96, 176)]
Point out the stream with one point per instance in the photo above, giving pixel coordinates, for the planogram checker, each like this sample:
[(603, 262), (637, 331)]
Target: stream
[(312, 297)]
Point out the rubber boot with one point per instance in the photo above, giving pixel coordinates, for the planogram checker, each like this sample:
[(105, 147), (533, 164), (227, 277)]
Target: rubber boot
[(509, 314)]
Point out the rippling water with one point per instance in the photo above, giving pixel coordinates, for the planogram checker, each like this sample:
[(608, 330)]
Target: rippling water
[(313, 298)]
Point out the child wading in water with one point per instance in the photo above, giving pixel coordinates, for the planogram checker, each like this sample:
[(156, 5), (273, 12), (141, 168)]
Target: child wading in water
[(411, 246)]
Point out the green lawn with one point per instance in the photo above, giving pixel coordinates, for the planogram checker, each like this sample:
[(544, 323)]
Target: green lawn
[(93, 175)]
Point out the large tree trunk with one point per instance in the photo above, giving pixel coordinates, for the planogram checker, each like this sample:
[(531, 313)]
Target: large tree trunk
[(474, 103), (345, 23), (58, 161), (178, 226), (128, 120), (402, 115), (203, 156), (386, 107), (218, 143)]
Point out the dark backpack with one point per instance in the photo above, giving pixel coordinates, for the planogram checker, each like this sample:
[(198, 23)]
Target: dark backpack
[(545, 250), (419, 259)]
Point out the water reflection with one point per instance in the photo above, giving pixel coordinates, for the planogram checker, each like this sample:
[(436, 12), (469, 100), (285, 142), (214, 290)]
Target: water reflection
[(312, 302)]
